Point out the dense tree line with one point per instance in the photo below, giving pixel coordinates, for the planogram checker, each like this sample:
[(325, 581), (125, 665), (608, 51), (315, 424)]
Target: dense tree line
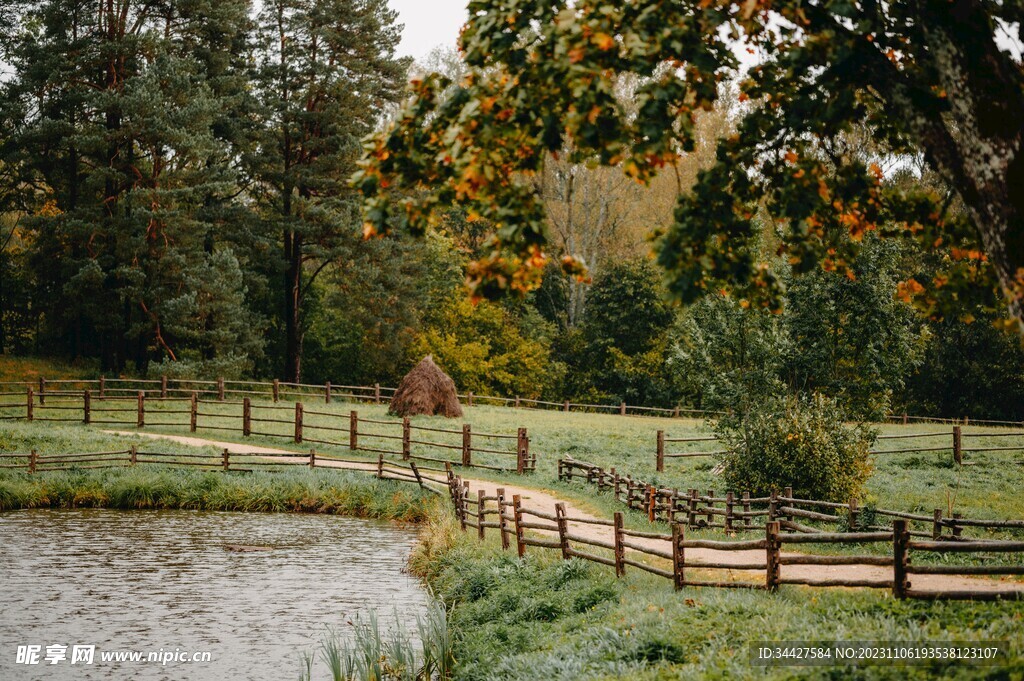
[(174, 198)]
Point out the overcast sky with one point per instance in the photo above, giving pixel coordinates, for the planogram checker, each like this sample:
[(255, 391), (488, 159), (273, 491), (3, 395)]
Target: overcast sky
[(429, 23)]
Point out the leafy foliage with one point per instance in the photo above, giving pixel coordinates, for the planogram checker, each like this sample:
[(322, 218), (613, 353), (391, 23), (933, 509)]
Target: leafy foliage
[(804, 444), (486, 349), (543, 78)]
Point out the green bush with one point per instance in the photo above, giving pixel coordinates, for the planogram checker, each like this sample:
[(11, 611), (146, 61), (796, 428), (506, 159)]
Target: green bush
[(798, 443)]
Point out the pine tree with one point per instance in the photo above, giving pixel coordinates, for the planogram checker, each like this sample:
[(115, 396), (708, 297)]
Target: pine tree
[(326, 72), (121, 113)]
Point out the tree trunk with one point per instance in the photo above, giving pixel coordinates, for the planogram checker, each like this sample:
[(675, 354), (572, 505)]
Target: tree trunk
[(293, 307)]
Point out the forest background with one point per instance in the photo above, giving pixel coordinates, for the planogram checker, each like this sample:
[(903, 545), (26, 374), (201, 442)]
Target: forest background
[(175, 200)]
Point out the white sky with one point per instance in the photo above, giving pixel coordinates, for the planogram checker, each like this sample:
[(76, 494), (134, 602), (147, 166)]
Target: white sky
[(429, 23)]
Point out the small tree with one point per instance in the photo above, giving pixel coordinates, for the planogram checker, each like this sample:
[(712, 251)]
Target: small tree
[(798, 443)]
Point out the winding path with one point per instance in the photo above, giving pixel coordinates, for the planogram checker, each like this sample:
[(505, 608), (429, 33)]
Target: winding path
[(545, 501)]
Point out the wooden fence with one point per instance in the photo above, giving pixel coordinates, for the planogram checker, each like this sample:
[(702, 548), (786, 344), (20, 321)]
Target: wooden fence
[(665, 555), (295, 422), (741, 512), (951, 441), (226, 461), (378, 394)]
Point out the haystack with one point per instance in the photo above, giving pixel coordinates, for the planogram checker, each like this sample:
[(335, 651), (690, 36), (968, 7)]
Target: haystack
[(426, 390)]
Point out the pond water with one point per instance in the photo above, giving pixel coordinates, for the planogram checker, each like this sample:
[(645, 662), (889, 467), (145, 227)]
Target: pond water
[(153, 581)]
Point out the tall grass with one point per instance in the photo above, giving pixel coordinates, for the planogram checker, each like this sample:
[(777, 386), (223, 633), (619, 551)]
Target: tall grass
[(152, 487), (371, 654)]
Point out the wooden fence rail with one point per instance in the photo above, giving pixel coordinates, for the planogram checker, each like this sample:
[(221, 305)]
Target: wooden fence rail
[(537, 528), (403, 439), (925, 443), (741, 512), (225, 460)]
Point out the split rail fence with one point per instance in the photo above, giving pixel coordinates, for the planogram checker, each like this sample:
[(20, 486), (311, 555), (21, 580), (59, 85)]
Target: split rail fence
[(162, 407), (226, 461), (742, 512), (952, 441), (762, 561), (378, 394)]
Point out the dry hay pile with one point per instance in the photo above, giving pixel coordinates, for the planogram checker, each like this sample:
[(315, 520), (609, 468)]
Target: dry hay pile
[(426, 390)]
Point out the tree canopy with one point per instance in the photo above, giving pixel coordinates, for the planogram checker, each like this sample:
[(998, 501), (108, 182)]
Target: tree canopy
[(930, 80)]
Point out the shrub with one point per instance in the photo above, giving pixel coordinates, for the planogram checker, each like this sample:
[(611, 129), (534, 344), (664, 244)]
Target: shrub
[(798, 443)]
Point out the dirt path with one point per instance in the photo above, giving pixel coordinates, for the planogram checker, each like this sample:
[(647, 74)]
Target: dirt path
[(544, 501)]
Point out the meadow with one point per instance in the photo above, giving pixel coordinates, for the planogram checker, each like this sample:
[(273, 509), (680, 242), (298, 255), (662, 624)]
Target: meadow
[(985, 487)]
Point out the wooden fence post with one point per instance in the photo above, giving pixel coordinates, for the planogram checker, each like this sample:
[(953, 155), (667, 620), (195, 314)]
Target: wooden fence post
[(900, 543), (563, 530), (652, 501), (746, 510), (193, 417), (86, 407), (406, 438), (772, 546), (958, 454), (517, 515), (29, 404), (516, 403), (467, 446), (163, 387), (678, 557), (42, 391), (957, 528), (622, 409), (620, 550), (312, 458), (141, 411), (103, 387), (691, 509), (220, 389), (380, 475), (32, 456), (852, 515), (133, 455), (298, 422), (773, 505), (523, 446), (567, 405), (711, 505), (481, 513), (416, 472), (469, 398), (728, 511), (502, 521), (327, 392), (227, 459), (675, 413), (353, 430), (659, 462), (936, 523), (246, 417), (376, 393), (276, 389)]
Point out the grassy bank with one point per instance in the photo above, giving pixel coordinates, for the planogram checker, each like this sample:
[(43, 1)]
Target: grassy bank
[(542, 617), (151, 487)]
